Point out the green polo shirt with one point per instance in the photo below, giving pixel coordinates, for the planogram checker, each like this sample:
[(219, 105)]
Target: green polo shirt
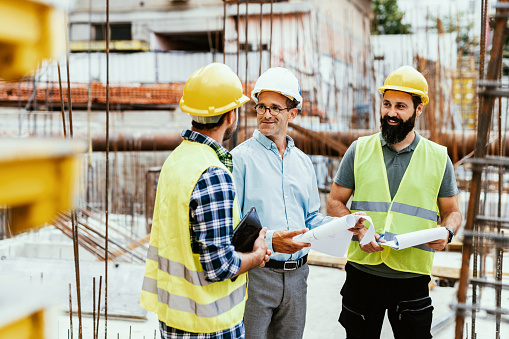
[(396, 164)]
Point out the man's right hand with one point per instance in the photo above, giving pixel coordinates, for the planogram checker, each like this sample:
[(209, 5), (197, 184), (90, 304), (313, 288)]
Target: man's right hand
[(282, 241)]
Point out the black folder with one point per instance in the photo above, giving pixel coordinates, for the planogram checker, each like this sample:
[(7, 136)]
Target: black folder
[(247, 231)]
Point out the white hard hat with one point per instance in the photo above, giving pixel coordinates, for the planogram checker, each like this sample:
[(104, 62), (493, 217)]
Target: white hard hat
[(281, 80)]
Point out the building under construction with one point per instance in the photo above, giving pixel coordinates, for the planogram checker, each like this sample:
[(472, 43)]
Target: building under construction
[(89, 106)]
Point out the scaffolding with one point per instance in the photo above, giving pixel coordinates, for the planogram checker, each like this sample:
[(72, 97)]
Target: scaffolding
[(484, 229)]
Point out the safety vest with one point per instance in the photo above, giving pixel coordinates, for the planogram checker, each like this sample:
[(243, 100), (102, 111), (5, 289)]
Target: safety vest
[(413, 208), (174, 286)]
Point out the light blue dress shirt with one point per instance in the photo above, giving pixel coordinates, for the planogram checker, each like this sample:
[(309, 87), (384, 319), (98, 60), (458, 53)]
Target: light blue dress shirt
[(283, 190)]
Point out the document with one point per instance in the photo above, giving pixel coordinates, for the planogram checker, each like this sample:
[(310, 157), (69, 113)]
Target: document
[(333, 237), (406, 240)]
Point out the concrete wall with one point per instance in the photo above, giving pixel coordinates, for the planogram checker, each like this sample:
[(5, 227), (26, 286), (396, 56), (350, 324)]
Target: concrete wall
[(142, 5)]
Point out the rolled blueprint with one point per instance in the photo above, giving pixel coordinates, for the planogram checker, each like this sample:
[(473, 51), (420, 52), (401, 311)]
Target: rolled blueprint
[(328, 229), (406, 240), (333, 237)]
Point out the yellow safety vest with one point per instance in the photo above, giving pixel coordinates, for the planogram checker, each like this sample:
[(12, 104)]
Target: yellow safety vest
[(174, 286), (413, 208)]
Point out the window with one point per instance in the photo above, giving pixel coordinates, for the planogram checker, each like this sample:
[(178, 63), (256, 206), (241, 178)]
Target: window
[(117, 32)]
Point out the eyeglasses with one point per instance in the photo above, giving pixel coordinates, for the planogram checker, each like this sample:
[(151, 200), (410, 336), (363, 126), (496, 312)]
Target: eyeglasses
[(273, 110)]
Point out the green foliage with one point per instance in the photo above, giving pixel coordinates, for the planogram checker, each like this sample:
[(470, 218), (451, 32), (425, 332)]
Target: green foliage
[(387, 18), (458, 24)]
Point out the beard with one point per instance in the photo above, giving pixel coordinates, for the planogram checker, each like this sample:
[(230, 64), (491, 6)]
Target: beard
[(394, 134), (230, 130)]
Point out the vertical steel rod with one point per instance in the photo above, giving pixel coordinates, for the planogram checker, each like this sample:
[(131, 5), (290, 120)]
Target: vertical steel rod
[(93, 308), (70, 310), (107, 166), (246, 50), (238, 37), (61, 98), (224, 31), (69, 102), (271, 22), (260, 46), (96, 330)]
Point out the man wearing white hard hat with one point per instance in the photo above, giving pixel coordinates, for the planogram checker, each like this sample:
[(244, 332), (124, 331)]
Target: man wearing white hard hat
[(404, 182), (278, 179), (195, 281)]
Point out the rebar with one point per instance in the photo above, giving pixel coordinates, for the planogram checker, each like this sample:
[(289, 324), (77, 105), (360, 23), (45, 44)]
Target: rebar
[(107, 167)]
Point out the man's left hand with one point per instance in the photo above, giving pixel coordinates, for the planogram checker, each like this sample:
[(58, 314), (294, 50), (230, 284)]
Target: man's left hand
[(438, 244)]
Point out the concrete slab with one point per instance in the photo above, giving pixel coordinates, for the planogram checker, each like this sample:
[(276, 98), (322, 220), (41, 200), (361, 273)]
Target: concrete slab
[(126, 316)]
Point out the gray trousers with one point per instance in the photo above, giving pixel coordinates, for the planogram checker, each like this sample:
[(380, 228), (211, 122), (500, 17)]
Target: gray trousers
[(276, 304)]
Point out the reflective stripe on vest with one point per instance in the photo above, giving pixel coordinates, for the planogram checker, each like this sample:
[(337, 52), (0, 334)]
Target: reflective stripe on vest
[(396, 207), (414, 206), (185, 304), (176, 269)]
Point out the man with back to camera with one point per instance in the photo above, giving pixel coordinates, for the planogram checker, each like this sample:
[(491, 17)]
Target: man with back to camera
[(403, 182), (278, 179), (195, 281)]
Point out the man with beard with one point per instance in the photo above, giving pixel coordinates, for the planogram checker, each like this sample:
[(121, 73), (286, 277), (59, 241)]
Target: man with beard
[(195, 281), (405, 183)]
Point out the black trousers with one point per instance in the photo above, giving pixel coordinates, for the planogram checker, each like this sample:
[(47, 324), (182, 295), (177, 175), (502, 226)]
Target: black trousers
[(366, 297)]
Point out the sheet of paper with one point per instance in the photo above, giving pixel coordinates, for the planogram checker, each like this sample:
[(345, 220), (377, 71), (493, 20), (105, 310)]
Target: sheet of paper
[(406, 240), (333, 237)]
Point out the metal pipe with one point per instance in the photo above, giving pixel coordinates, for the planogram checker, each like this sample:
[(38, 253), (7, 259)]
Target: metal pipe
[(123, 141)]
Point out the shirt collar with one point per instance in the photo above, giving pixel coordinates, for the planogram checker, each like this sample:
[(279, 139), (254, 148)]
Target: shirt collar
[(267, 143), (222, 153), (410, 147)]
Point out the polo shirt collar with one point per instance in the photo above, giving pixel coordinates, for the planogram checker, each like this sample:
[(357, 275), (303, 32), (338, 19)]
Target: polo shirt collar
[(410, 147), (267, 143)]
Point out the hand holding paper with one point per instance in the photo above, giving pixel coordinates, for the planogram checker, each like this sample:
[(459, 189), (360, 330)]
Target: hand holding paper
[(333, 237), (285, 242), (402, 241)]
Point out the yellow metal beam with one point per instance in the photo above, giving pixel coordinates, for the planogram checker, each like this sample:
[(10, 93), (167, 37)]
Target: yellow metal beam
[(119, 45), (30, 31), (37, 179)]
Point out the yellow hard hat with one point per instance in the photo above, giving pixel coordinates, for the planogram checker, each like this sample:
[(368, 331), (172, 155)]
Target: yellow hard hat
[(212, 90), (407, 79)]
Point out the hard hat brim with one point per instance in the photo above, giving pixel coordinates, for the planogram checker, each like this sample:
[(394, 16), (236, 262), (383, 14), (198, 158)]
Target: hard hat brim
[(212, 111), (424, 97)]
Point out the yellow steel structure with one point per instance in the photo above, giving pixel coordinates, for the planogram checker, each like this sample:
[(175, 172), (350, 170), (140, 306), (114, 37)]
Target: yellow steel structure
[(119, 45), (30, 31), (37, 179), (28, 327)]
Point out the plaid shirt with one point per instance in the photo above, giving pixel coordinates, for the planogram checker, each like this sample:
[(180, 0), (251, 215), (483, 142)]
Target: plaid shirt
[(211, 222)]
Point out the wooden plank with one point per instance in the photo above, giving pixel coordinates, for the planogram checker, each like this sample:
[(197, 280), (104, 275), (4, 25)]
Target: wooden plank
[(320, 259)]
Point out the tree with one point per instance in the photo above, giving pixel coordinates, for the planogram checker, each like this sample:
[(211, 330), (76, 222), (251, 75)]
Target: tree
[(387, 18), (461, 26)]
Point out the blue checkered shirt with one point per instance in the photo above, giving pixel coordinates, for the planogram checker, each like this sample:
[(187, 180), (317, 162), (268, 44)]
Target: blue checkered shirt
[(211, 223)]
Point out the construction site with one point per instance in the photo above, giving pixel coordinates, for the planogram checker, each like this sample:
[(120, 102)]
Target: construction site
[(89, 112)]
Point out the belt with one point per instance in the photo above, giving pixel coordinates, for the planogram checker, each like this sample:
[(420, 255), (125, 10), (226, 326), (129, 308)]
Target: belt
[(287, 265)]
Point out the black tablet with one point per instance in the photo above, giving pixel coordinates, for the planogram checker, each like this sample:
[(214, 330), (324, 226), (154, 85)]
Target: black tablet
[(247, 231)]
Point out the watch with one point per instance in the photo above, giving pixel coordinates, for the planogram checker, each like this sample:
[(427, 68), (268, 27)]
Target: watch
[(451, 234)]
